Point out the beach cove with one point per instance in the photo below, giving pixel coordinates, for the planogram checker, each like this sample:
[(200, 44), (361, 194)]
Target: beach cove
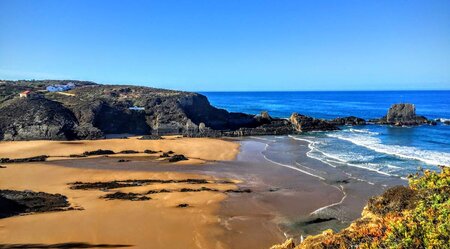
[(282, 200)]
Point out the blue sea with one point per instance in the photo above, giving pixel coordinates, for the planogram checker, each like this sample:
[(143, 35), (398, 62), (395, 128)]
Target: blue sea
[(385, 150)]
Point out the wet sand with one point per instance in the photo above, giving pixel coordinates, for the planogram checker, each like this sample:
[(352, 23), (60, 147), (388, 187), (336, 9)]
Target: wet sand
[(281, 199)]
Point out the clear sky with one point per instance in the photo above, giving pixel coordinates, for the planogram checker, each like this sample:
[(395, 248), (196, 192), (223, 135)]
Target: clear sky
[(215, 45)]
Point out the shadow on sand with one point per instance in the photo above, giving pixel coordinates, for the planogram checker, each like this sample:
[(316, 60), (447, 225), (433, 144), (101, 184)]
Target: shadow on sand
[(61, 245)]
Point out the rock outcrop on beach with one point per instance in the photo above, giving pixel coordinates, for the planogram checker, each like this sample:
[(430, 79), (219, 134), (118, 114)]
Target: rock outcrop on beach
[(403, 115), (90, 111), (37, 118), (13, 202), (304, 123)]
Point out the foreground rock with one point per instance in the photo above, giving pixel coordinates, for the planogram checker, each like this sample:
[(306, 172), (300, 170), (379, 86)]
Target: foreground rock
[(24, 160), (13, 202), (403, 115)]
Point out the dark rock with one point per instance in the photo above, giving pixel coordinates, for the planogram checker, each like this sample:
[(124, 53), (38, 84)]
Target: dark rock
[(131, 183), (245, 190), (263, 118), (150, 151), (189, 190), (13, 202), (403, 115), (159, 191), (170, 152), (317, 220), (447, 122), (304, 123), (183, 205), (24, 160), (209, 189), (351, 120), (61, 246), (88, 131), (35, 119), (122, 160), (345, 181), (77, 155), (151, 137), (177, 158), (164, 155), (98, 152), (97, 110), (2, 167), (194, 181), (129, 152), (126, 196)]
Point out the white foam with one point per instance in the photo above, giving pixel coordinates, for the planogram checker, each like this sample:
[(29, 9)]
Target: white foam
[(373, 143), (263, 139), (333, 204), (292, 167), (443, 119), (329, 158)]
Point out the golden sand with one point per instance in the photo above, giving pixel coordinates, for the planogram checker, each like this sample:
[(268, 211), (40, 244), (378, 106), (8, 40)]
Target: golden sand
[(195, 148), (156, 223)]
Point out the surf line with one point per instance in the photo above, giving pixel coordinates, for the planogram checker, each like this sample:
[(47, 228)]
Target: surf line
[(334, 204), (341, 188), (291, 167)]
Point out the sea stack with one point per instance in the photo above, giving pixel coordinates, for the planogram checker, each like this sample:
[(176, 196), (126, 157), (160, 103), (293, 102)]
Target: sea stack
[(403, 114)]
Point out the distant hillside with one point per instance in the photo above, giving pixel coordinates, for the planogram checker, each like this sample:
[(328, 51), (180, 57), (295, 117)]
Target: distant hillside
[(106, 109)]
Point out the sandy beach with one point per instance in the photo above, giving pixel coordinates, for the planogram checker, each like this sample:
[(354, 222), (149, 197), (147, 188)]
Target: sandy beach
[(279, 197), (204, 149)]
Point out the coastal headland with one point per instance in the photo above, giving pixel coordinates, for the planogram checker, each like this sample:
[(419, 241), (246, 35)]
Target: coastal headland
[(124, 166)]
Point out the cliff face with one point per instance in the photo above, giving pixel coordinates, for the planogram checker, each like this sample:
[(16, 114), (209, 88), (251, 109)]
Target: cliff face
[(29, 119), (91, 110)]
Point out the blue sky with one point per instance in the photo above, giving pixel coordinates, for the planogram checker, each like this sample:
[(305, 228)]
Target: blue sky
[(225, 45)]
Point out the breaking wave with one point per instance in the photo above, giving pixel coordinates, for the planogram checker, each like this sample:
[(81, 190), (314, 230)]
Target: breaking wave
[(366, 139)]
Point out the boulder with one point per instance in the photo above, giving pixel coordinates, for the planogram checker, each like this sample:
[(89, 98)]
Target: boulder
[(13, 202), (403, 114), (302, 123), (351, 120)]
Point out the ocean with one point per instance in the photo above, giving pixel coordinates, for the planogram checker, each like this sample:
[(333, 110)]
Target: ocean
[(376, 149)]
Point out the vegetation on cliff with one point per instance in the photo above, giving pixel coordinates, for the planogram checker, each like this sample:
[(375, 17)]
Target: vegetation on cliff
[(417, 216)]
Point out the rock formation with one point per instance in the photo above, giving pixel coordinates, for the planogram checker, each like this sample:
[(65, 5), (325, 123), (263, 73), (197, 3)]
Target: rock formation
[(13, 202), (351, 120), (90, 111), (31, 119), (403, 115), (304, 123)]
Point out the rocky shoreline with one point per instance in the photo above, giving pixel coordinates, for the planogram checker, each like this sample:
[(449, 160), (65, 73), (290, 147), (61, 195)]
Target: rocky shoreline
[(91, 111)]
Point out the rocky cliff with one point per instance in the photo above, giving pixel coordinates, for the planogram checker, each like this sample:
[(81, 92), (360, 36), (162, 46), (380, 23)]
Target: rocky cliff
[(90, 111)]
